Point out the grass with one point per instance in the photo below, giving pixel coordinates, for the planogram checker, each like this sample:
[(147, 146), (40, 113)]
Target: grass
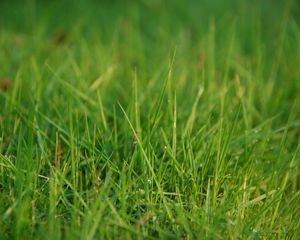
[(150, 119)]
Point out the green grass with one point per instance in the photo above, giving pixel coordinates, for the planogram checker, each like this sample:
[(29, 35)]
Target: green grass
[(150, 119)]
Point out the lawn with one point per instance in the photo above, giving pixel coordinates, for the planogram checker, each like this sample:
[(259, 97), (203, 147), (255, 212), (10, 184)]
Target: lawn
[(149, 119)]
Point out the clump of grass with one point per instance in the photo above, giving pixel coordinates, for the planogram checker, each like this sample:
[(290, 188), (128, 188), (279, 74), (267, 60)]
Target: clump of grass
[(149, 120)]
